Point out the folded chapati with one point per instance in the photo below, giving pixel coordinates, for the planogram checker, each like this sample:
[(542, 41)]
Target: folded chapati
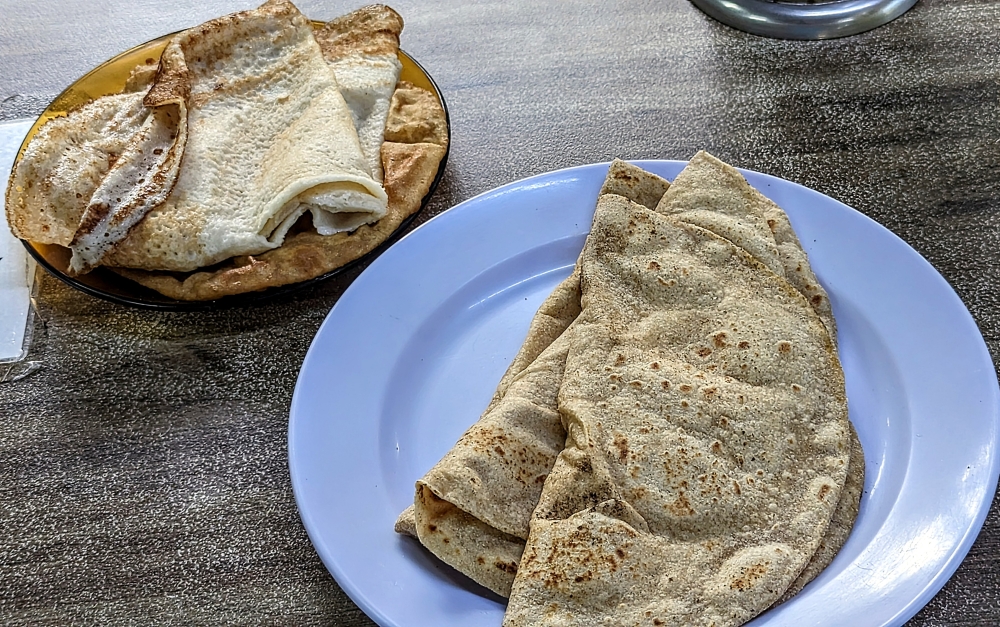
[(707, 434), (472, 509), (842, 522), (473, 483)]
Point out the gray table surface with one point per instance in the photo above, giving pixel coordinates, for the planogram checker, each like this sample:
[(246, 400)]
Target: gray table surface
[(143, 469)]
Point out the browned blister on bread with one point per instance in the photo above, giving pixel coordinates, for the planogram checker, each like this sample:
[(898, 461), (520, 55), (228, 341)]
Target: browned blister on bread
[(370, 30)]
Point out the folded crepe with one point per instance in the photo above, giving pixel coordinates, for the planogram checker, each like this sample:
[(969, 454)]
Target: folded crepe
[(416, 141), (270, 138), (87, 178), (469, 509), (362, 49), (243, 130), (707, 434)]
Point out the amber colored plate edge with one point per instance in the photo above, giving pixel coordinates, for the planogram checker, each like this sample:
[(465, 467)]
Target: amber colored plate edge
[(109, 78)]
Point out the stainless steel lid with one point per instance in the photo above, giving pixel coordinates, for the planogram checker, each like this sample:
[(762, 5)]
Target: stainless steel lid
[(821, 20)]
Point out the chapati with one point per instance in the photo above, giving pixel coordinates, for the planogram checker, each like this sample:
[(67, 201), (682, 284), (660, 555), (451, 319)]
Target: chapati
[(487, 554), (707, 433), (472, 509)]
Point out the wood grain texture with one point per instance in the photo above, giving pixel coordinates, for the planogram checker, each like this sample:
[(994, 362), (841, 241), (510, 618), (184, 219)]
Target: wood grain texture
[(143, 470)]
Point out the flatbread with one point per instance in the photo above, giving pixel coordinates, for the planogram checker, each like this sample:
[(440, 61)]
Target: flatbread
[(708, 440), (64, 164), (410, 169), (257, 91), (415, 116), (253, 88), (487, 554), (473, 507), (840, 525), (115, 147), (142, 177), (86, 179), (362, 47)]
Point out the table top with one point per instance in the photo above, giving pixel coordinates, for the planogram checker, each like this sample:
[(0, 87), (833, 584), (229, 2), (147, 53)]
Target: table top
[(144, 471)]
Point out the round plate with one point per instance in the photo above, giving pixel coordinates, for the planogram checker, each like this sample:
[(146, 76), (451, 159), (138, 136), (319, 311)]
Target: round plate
[(412, 352), (109, 78)]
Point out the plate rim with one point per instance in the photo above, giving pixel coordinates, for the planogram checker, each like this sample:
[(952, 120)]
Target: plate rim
[(945, 568)]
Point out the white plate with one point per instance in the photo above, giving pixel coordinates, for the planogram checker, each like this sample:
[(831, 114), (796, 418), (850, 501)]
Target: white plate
[(411, 353)]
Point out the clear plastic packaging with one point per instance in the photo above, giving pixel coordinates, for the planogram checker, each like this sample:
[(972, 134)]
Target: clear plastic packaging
[(18, 285)]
